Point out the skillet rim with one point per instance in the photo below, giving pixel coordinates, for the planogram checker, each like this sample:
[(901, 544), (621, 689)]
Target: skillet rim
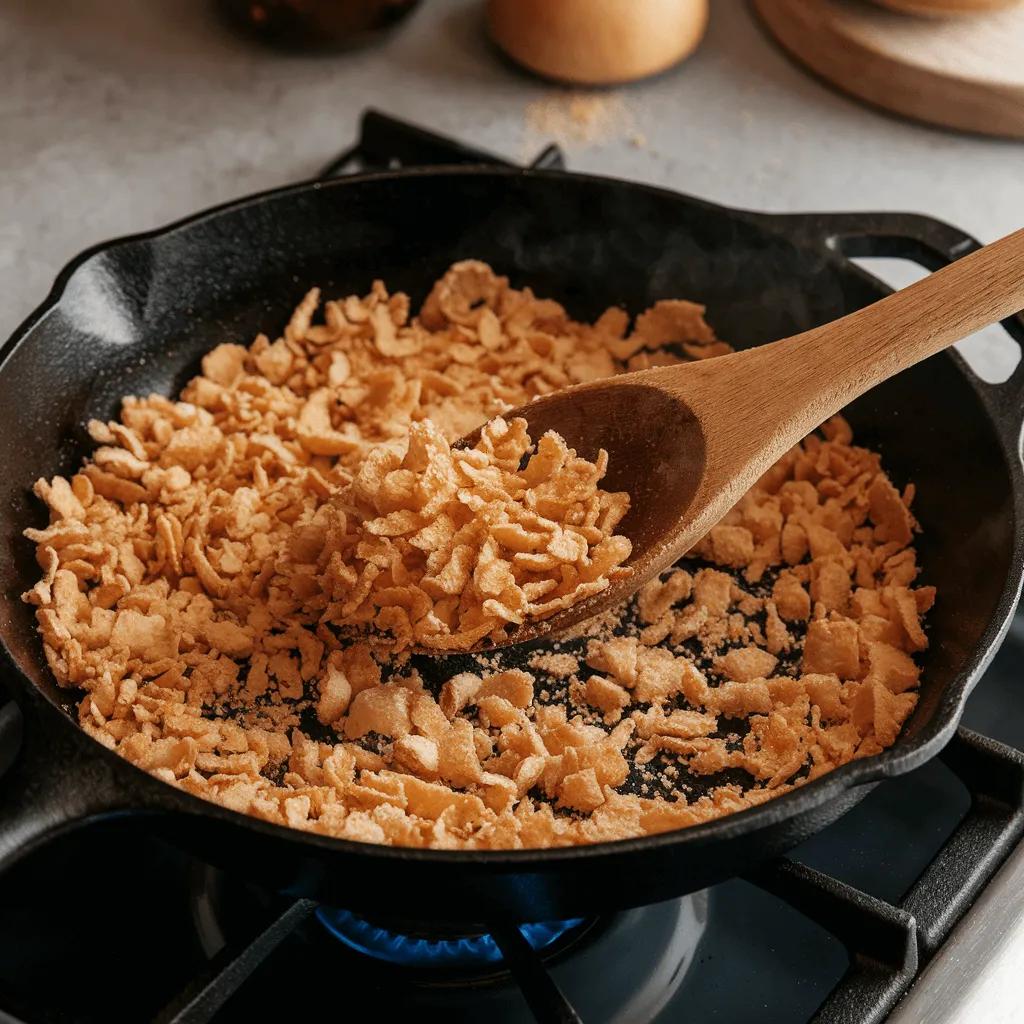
[(139, 793)]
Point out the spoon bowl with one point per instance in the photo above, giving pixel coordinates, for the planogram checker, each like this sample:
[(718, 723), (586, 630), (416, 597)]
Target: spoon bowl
[(657, 453), (658, 444)]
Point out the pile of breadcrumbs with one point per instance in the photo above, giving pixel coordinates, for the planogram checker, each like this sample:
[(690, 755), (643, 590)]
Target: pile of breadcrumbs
[(202, 571)]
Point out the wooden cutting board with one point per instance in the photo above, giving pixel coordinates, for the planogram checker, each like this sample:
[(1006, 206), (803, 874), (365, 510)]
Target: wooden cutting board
[(962, 72)]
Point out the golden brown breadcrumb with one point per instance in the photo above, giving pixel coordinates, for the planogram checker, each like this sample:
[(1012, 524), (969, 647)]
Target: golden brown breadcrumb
[(198, 569)]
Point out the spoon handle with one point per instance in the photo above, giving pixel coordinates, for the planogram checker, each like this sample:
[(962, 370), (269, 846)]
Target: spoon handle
[(755, 404), (789, 387), (868, 346)]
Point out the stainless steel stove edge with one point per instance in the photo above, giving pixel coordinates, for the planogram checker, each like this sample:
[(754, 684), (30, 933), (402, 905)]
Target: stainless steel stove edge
[(976, 976)]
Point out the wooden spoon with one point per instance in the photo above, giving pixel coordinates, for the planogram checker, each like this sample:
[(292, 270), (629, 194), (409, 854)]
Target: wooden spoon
[(688, 441)]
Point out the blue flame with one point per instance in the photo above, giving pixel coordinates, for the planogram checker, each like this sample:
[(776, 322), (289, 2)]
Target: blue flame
[(394, 948)]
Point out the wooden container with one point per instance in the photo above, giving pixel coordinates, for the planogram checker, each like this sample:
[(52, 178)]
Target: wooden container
[(597, 42), (961, 72)]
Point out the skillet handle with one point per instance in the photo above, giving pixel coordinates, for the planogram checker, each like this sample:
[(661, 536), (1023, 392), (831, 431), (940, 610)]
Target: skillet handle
[(49, 784), (930, 243)]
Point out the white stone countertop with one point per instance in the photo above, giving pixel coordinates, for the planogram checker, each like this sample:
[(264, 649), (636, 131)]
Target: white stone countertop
[(120, 115)]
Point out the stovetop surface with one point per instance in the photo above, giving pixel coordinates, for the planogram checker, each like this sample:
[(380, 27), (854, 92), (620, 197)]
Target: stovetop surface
[(99, 926)]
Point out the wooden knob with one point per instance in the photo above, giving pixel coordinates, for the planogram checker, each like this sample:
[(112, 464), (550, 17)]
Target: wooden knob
[(598, 42)]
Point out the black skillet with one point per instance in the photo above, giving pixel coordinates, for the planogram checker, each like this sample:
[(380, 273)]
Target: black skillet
[(136, 315)]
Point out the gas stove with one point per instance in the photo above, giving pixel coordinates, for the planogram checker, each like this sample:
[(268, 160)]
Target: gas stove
[(909, 908)]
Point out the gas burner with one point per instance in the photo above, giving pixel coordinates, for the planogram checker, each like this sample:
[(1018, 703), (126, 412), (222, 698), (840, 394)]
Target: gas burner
[(226, 908), (621, 967), (427, 947)]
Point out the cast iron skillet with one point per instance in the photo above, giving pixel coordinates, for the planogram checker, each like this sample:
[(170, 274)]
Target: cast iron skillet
[(137, 314)]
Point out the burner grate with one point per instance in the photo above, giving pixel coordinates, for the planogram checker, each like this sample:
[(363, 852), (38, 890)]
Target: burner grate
[(887, 944)]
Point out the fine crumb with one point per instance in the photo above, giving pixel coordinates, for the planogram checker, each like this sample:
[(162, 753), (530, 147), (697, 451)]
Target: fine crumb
[(579, 118), (559, 666), (195, 574)]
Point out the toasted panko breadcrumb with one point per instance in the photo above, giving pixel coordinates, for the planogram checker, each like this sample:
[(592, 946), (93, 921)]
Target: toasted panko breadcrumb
[(440, 547), (199, 574)]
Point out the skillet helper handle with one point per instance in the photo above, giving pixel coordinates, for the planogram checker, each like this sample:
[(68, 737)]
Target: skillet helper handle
[(48, 786), (905, 236), (931, 243)]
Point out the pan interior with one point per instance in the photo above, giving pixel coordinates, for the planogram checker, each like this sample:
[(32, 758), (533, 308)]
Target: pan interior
[(138, 317)]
